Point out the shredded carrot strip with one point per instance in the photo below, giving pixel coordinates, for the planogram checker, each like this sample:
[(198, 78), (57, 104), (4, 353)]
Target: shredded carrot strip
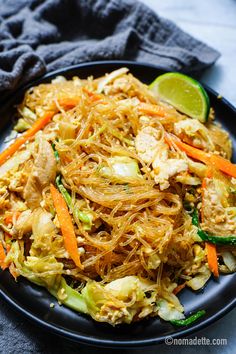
[(68, 102), (212, 258), (66, 224), (71, 102), (151, 109), (9, 218), (206, 157), (38, 125), (179, 288), (2, 257), (93, 96)]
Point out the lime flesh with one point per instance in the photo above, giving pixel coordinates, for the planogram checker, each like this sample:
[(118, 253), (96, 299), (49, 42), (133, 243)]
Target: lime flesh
[(184, 93)]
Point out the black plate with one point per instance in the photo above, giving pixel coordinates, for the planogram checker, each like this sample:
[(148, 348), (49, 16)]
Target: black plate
[(217, 298)]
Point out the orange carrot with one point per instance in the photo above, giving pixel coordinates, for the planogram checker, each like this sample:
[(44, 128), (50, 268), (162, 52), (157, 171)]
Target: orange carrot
[(69, 102), (206, 157), (93, 96), (38, 125), (151, 109), (179, 288), (9, 218), (2, 257), (212, 258), (67, 227)]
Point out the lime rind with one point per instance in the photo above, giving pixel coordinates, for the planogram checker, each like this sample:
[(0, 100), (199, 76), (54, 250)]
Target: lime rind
[(184, 93)]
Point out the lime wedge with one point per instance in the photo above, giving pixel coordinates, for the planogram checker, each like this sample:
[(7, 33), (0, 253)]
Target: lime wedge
[(184, 93)]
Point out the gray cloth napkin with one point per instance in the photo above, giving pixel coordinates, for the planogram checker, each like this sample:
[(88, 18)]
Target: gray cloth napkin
[(37, 36)]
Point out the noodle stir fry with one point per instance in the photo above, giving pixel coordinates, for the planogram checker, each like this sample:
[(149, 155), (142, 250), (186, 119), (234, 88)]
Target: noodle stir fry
[(115, 201)]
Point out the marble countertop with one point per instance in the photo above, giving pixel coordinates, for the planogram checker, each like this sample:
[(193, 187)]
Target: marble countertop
[(213, 21)]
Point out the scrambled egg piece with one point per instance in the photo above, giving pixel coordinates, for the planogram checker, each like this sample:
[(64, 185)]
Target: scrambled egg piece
[(154, 151)]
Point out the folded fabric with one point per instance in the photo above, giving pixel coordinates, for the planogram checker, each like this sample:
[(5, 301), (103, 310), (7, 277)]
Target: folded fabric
[(37, 36)]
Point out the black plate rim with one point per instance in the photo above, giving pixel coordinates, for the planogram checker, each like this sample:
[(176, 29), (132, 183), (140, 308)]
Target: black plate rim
[(86, 339), (113, 343), (108, 62)]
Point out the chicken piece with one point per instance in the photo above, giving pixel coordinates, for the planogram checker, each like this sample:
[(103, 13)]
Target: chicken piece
[(148, 145), (121, 84), (219, 212), (195, 133), (43, 172), (163, 170), (221, 139), (154, 151), (109, 78)]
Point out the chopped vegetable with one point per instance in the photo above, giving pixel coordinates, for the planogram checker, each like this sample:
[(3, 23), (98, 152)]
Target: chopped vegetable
[(78, 214), (151, 109), (212, 259), (56, 154), (28, 115), (168, 312), (14, 162), (69, 102), (63, 191), (2, 257), (208, 158), (9, 218), (121, 167), (21, 125), (229, 260), (218, 240), (179, 288), (71, 297), (200, 279), (85, 218), (93, 96), (116, 302), (189, 320), (67, 227), (38, 125), (43, 271)]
